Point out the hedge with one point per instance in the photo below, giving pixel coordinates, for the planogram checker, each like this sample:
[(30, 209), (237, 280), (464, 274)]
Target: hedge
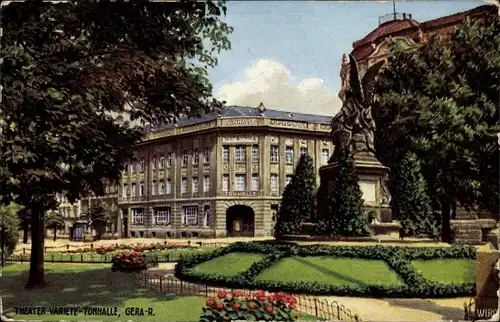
[(398, 258)]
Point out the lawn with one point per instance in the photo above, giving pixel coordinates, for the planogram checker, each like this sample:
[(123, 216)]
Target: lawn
[(447, 271), (329, 270), (170, 255), (92, 285), (229, 264)]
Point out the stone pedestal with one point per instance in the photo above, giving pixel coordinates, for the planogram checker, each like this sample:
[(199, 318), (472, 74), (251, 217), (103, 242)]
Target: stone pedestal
[(486, 282), (494, 237), (372, 179)]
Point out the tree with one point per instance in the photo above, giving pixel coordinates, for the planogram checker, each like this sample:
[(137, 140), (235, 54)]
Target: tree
[(9, 228), (440, 101), (346, 212), (410, 202), (79, 80), (99, 215), (297, 202), (54, 221)]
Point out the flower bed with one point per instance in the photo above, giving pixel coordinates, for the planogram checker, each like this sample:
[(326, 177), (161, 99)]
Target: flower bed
[(101, 250), (129, 262), (399, 259), (250, 307)]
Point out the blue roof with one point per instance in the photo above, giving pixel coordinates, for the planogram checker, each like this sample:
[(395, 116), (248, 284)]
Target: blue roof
[(235, 111)]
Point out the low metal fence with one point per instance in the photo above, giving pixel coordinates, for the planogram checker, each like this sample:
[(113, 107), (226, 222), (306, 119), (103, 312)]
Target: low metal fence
[(313, 306)]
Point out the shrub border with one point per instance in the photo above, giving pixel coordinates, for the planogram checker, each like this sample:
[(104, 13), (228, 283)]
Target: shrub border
[(398, 258)]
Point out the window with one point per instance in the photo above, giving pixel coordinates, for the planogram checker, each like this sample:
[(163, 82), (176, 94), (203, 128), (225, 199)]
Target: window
[(125, 167), (169, 160), (225, 154), (206, 215), (255, 182), (184, 186), (288, 179), (289, 154), (153, 163), (303, 151), (185, 157), (134, 190), (161, 188), (196, 157), (141, 189), (274, 153), (206, 184), (325, 155), (132, 167), (225, 183), (239, 155), (274, 183), (195, 184), (142, 165), (162, 215), (206, 155), (138, 216), (189, 215), (125, 191), (240, 182), (154, 188), (161, 162), (169, 187), (255, 153)]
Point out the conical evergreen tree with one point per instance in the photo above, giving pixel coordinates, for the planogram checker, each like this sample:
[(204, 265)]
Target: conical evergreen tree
[(410, 201), (346, 205), (297, 203)]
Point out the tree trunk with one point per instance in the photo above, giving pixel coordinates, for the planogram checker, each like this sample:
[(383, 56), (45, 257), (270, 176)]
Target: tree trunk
[(55, 234), (445, 220), (25, 230), (36, 277)]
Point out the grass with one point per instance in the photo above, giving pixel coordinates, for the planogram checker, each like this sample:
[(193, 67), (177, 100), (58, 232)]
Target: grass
[(169, 255), (229, 264), (92, 285), (329, 270), (447, 271)]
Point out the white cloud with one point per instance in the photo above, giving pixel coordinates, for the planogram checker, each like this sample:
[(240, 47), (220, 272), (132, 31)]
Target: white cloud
[(269, 82)]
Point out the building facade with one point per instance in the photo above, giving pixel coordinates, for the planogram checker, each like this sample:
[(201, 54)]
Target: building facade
[(469, 227), (69, 212), (218, 175)]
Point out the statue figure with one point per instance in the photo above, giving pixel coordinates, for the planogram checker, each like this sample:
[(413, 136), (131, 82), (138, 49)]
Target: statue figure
[(354, 126)]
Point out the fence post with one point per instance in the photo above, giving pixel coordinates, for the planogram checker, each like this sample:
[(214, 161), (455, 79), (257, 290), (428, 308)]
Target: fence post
[(338, 312), (206, 290), (71, 258), (161, 282), (91, 246), (52, 257), (81, 257), (67, 247), (24, 251), (316, 307), (168, 257), (145, 279), (45, 249), (181, 286)]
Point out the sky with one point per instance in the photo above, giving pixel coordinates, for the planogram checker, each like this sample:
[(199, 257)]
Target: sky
[(287, 54)]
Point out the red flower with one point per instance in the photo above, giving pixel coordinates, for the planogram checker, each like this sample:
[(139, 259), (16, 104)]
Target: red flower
[(269, 309), (292, 306), (291, 300), (280, 296), (262, 298), (251, 305), (260, 293), (226, 318), (237, 293), (210, 302), (222, 294), (236, 306), (271, 298), (246, 297), (220, 306)]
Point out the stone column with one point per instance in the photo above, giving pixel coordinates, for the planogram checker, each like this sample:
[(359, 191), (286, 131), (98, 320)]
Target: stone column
[(486, 282)]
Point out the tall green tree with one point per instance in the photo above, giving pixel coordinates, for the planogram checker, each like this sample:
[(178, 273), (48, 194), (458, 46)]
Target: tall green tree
[(441, 102), (9, 227), (346, 212), (410, 202), (75, 73), (297, 202)]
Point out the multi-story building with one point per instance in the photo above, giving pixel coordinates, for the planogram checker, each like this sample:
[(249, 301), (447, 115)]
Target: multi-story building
[(218, 175), (70, 213), (471, 227)]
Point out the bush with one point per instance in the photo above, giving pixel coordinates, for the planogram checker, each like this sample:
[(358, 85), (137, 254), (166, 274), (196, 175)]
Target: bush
[(10, 222), (129, 262), (398, 258), (107, 236), (239, 306)]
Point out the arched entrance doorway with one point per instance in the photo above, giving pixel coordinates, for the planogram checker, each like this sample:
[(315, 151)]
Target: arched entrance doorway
[(240, 221)]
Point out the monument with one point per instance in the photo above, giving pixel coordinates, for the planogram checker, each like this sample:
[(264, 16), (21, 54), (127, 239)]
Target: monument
[(354, 127)]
